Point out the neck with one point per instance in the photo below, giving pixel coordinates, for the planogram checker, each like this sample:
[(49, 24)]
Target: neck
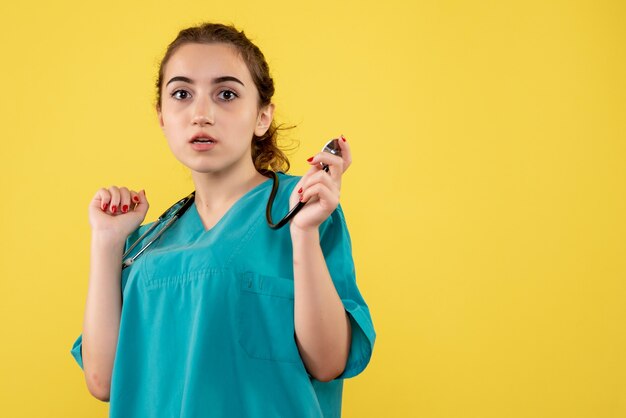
[(221, 189)]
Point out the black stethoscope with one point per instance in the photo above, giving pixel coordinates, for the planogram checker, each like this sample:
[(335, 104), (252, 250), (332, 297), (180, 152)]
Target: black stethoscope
[(179, 208)]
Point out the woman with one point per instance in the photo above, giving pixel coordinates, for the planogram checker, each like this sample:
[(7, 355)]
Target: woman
[(222, 315)]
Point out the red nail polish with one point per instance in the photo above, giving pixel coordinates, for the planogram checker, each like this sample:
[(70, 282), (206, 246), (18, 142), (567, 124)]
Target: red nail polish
[(301, 198), (105, 206), (310, 159), (113, 209), (125, 208), (343, 138), (135, 199), (300, 191)]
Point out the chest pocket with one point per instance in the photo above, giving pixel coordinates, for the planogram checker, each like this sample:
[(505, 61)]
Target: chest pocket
[(265, 318)]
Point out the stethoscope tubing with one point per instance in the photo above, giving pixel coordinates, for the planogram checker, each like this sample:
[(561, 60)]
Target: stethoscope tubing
[(270, 202), (186, 203)]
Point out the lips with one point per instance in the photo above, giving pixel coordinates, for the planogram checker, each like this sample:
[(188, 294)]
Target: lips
[(202, 138), (202, 142)]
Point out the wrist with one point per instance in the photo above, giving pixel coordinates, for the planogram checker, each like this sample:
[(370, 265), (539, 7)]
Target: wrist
[(107, 239), (306, 233)]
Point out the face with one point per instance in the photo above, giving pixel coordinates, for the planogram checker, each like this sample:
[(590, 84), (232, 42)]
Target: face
[(209, 108)]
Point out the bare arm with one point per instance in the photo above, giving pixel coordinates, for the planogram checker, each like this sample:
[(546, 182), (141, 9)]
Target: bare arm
[(113, 214), (102, 314), (321, 323), (322, 326)]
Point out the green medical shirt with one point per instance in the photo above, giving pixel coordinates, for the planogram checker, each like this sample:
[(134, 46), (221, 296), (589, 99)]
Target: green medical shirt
[(207, 324)]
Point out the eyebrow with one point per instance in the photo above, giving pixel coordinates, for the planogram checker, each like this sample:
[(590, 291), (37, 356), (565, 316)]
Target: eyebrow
[(216, 80)]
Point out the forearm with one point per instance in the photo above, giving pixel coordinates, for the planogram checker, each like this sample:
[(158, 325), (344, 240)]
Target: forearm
[(321, 322), (102, 314)]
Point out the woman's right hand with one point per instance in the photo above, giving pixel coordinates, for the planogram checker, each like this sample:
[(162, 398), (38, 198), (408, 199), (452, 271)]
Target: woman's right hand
[(117, 211)]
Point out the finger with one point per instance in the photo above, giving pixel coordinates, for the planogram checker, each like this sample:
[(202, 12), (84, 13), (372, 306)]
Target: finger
[(326, 197), (143, 205), (134, 199), (334, 162), (321, 189), (124, 199), (102, 199), (321, 177), (305, 177), (115, 199), (346, 154), (295, 193)]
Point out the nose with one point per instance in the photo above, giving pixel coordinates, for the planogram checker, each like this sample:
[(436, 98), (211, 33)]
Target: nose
[(203, 112)]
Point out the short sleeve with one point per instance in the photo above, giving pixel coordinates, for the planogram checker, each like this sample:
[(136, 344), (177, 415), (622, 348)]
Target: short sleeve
[(337, 249), (77, 347), (77, 351)]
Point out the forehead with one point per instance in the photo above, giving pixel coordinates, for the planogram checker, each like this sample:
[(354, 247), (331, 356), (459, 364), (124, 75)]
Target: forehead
[(203, 62)]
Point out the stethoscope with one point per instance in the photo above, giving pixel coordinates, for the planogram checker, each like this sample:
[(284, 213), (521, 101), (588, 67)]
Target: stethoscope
[(179, 208)]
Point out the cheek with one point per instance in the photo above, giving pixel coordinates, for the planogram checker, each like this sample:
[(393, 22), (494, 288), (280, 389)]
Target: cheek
[(170, 116), (170, 133), (172, 127), (246, 120)]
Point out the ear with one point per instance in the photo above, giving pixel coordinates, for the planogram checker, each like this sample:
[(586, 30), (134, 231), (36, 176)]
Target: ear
[(264, 119), (160, 116)]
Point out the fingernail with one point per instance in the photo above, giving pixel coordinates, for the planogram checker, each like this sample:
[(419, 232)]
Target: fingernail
[(300, 191), (301, 198), (113, 209), (310, 159), (125, 208), (343, 138), (135, 199), (105, 206)]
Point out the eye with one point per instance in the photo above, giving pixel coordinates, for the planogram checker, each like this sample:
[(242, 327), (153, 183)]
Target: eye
[(227, 95), (180, 94)]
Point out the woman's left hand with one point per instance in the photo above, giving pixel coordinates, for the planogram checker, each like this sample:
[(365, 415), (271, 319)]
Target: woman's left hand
[(320, 189)]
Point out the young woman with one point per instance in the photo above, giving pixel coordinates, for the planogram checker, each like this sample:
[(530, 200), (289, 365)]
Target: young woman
[(221, 315)]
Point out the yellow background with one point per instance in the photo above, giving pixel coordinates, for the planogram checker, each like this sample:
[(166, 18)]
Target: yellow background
[(486, 201)]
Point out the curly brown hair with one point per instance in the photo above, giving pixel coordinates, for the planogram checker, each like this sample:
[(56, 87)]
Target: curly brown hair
[(266, 154)]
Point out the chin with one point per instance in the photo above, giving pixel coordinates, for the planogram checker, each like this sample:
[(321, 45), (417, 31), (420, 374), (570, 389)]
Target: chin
[(203, 169), (200, 165)]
